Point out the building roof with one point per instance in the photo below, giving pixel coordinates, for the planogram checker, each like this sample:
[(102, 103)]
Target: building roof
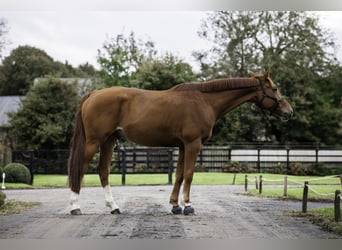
[(8, 104)]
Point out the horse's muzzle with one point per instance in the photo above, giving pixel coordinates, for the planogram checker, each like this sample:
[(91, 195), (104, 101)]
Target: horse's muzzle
[(287, 115)]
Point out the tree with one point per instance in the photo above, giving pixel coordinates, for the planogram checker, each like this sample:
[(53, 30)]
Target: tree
[(26, 63), (3, 32), (127, 61), (298, 52), (87, 70), (46, 116), (21, 67), (120, 57), (162, 73)]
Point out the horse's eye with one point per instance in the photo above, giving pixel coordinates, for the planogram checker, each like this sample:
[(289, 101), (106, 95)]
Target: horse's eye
[(275, 89)]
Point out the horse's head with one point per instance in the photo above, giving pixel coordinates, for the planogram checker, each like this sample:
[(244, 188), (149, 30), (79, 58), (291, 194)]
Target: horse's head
[(270, 99)]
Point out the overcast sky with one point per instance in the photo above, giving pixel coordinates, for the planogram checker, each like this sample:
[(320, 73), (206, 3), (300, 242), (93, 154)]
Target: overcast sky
[(75, 36)]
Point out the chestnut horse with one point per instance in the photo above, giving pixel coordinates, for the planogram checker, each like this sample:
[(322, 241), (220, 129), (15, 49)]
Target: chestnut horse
[(182, 117)]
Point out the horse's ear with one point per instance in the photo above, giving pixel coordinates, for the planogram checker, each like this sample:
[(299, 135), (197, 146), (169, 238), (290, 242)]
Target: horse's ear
[(267, 73)]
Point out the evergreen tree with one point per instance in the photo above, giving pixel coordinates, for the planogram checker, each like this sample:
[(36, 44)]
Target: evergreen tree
[(46, 116)]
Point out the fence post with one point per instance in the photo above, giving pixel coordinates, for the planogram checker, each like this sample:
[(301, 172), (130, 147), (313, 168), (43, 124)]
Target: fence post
[(258, 163), (123, 167), (256, 183), (31, 166), (201, 157), (337, 206), (305, 197), (229, 153), (234, 178), (246, 183), (170, 171), (287, 160), (285, 186), (260, 184), (341, 179), (317, 151)]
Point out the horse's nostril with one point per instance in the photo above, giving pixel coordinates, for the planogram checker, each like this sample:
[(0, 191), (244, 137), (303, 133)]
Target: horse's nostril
[(288, 114)]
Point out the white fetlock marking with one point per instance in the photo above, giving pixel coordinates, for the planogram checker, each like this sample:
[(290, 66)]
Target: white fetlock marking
[(109, 198), (74, 201), (186, 204)]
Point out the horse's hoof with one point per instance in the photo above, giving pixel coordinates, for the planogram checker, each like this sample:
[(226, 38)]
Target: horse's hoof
[(188, 210), (76, 211), (116, 211), (176, 210)]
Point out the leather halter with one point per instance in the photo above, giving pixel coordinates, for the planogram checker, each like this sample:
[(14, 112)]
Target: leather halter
[(265, 95)]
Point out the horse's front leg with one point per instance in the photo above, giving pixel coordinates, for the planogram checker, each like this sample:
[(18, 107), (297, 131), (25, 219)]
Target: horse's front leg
[(176, 209), (191, 151)]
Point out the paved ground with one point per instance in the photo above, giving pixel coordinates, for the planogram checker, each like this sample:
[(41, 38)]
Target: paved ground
[(220, 213)]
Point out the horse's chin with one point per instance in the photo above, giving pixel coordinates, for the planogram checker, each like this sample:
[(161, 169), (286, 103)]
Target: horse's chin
[(282, 117)]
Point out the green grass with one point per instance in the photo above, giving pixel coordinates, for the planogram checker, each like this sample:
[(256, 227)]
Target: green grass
[(16, 207), (200, 178), (323, 217), (297, 193)]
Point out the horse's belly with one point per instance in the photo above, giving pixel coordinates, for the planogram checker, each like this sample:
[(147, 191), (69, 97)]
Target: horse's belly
[(149, 136)]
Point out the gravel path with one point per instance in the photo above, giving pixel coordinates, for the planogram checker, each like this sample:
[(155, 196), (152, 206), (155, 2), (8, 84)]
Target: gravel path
[(220, 213)]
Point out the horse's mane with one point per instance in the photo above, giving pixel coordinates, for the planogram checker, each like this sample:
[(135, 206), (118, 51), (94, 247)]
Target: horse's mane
[(218, 85)]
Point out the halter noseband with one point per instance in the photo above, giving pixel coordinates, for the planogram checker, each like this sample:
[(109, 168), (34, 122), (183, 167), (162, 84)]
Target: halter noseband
[(265, 95)]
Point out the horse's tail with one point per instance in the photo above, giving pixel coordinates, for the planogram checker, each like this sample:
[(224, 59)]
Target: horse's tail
[(77, 148)]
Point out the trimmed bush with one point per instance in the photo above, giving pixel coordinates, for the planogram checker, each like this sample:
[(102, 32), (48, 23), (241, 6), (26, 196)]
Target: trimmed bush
[(2, 198), (17, 173)]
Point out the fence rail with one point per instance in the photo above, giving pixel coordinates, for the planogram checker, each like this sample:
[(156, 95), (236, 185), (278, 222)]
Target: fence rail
[(133, 160)]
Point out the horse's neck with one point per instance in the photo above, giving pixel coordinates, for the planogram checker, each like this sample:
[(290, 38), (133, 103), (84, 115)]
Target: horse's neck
[(224, 101)]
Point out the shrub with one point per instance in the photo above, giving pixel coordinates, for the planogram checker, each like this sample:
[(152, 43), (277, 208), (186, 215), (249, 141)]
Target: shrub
[(17, 173), (320, 169), (235, 167), (278, 169), (2, 198)]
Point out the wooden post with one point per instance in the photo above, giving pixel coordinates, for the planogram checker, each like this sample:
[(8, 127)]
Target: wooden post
[(337, 206), (341, 179), (234, 178), (123, 167), (317, 151), (170, 163), (258, 163), (256, 183), (285, 186), (260, 184), (287, 160), (31, 166), (305, 197), (246, 183)]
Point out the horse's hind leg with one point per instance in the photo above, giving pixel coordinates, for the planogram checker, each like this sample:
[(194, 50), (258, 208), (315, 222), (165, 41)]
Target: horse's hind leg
[(89, 151), (106, 152)]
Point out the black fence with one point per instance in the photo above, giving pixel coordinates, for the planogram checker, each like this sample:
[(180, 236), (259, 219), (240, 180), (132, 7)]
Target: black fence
[(231, 158)]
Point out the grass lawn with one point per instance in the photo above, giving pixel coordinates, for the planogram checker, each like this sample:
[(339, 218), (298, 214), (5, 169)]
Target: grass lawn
[(297, 193), (200, 178), (323, 217), (16, 207)]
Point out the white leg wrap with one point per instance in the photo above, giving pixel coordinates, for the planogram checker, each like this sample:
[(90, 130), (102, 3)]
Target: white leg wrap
[(109, 198), (74, 201)]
